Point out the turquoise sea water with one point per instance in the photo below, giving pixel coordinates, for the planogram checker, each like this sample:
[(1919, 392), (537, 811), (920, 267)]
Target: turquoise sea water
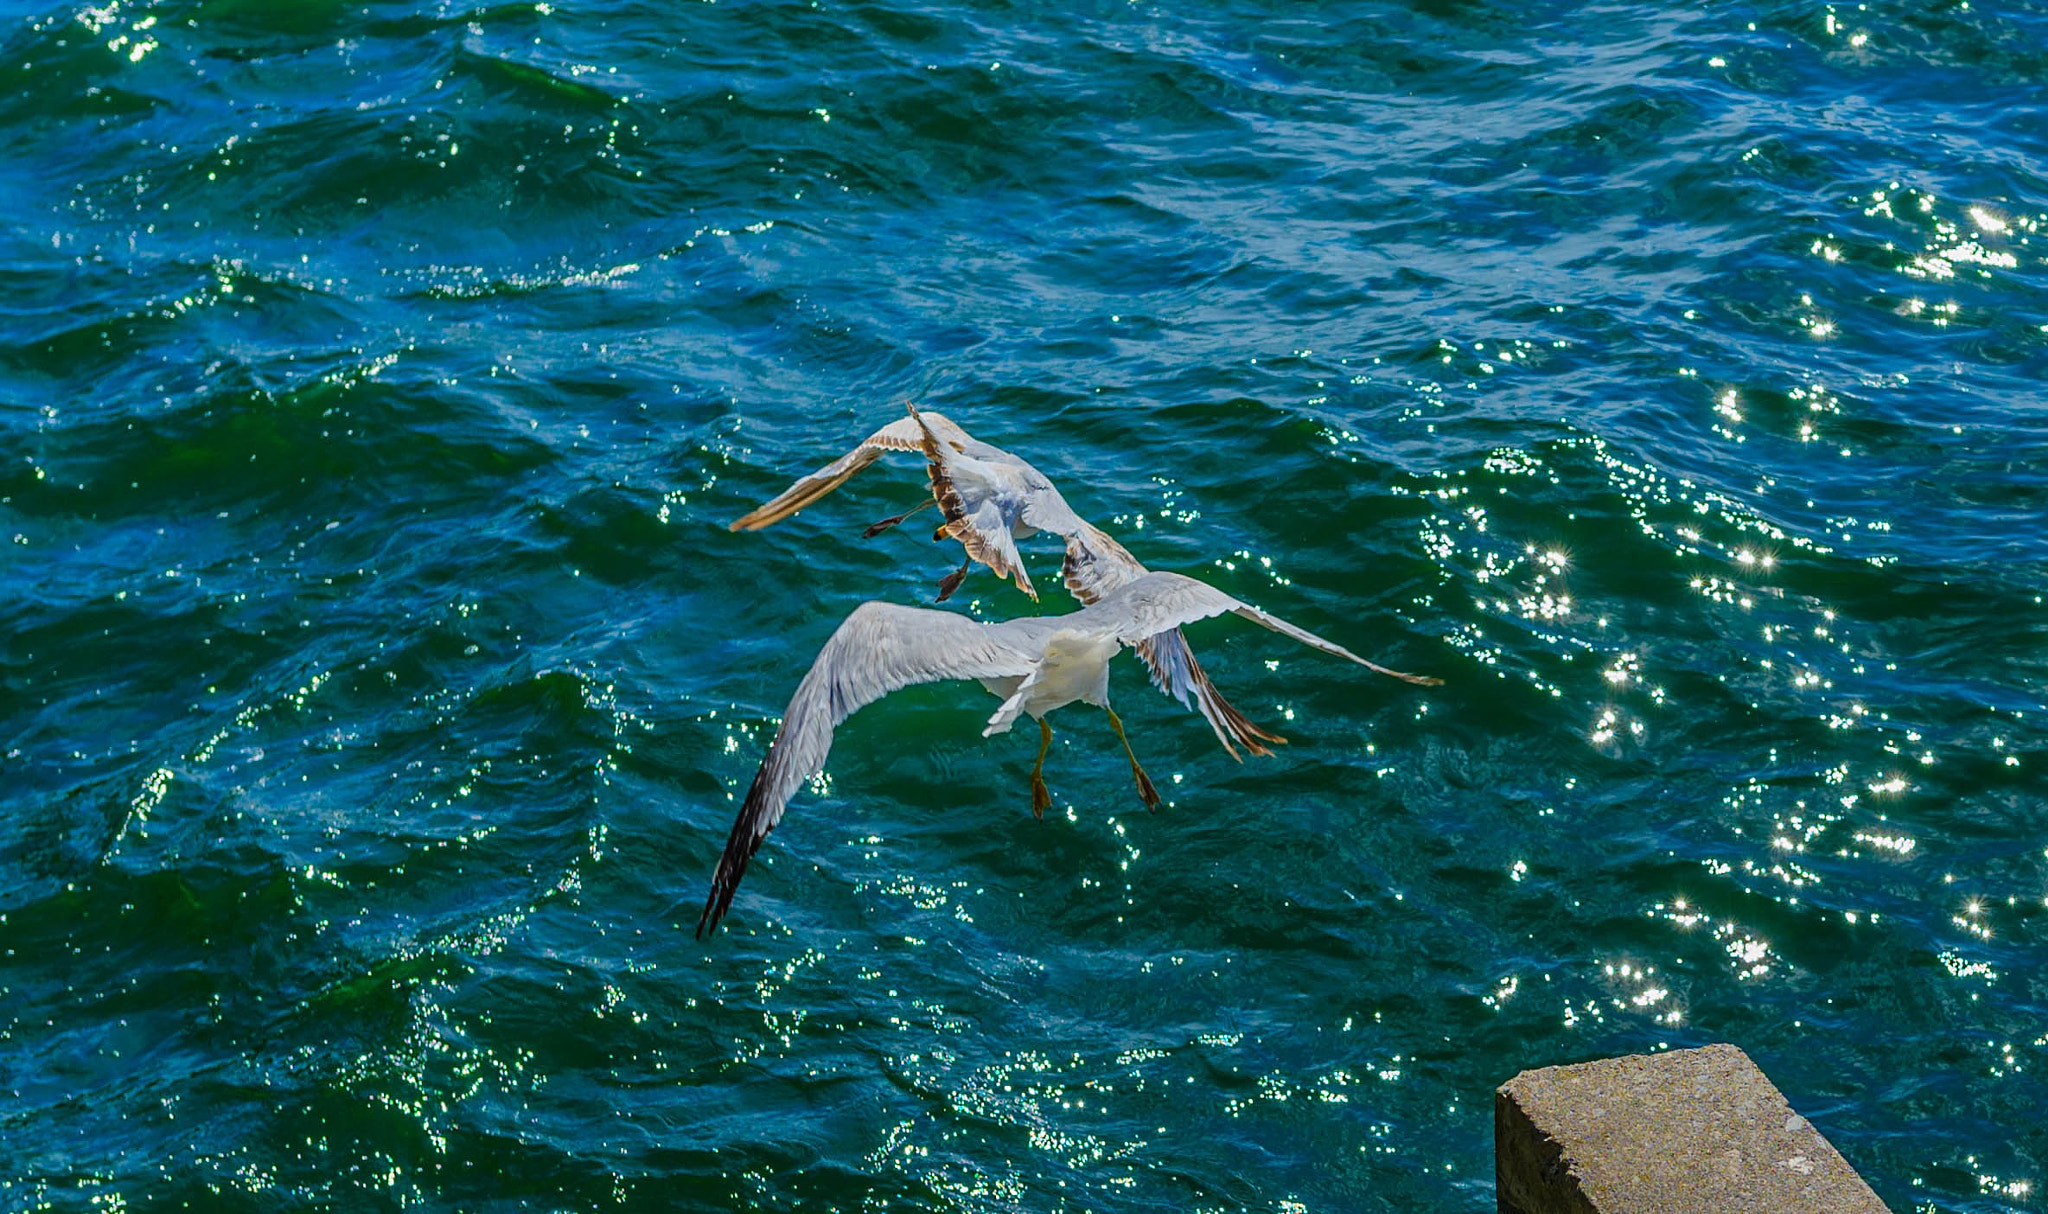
[(378, 678)]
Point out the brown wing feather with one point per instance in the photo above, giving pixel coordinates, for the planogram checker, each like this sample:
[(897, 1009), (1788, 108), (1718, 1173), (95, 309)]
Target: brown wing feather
[(893, 437), (958, 524)]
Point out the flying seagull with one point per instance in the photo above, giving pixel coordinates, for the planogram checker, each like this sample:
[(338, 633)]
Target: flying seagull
[(999, 500), (991, 499), (1034, 665)]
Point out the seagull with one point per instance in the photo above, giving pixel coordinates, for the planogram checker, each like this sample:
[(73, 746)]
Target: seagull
[(991, 499), (1005, 499), (1034, 665)]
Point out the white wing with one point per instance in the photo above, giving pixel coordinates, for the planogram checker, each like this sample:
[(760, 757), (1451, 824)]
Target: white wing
[(903, 434), (876, 650), (1158, 602), (1045, 509), (1096, 566)]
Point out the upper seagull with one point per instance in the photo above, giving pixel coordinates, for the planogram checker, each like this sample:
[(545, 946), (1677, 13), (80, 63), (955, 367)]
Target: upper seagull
[(998, 498), (991, 499), (1035, 665)]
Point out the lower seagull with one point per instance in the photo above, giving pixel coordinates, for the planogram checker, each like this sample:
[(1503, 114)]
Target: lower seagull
[(1035, 665), (991, 498)]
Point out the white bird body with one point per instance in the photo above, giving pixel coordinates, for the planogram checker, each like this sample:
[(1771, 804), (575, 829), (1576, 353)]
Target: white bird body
[(992, 500), (1036, 664), (996, 490), (1072, 666)]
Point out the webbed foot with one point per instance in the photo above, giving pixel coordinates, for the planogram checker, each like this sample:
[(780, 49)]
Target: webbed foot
[(951, 582), (877, 528), (1041, 800), (1146, 793)]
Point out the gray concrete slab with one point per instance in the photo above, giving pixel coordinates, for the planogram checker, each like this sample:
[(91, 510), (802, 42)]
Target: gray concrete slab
[(1688, 1132)]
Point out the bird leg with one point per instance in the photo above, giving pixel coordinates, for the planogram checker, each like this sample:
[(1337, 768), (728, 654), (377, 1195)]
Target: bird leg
[(1041, 800), (1146, 792), (951, 582), (875, 529)]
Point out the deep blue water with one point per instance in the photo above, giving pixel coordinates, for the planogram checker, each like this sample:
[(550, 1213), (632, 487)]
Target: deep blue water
[(378, 678)]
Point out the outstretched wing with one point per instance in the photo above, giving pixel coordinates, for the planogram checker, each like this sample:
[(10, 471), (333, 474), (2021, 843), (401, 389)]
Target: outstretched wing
[(1096, 566), (903, 434), (878, 649), (1158, 602)]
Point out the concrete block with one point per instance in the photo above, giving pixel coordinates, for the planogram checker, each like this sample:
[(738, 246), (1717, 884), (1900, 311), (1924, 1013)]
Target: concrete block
[(1688, 1132)]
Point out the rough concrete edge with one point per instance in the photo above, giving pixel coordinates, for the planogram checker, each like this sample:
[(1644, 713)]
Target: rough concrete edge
[(1543, 1181), (1522, 1153)]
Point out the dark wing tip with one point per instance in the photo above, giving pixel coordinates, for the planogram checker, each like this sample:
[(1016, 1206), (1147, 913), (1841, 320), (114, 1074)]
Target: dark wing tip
[(724, 885), (715, 905), (740, 847), (704, 921), (719, 901)]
